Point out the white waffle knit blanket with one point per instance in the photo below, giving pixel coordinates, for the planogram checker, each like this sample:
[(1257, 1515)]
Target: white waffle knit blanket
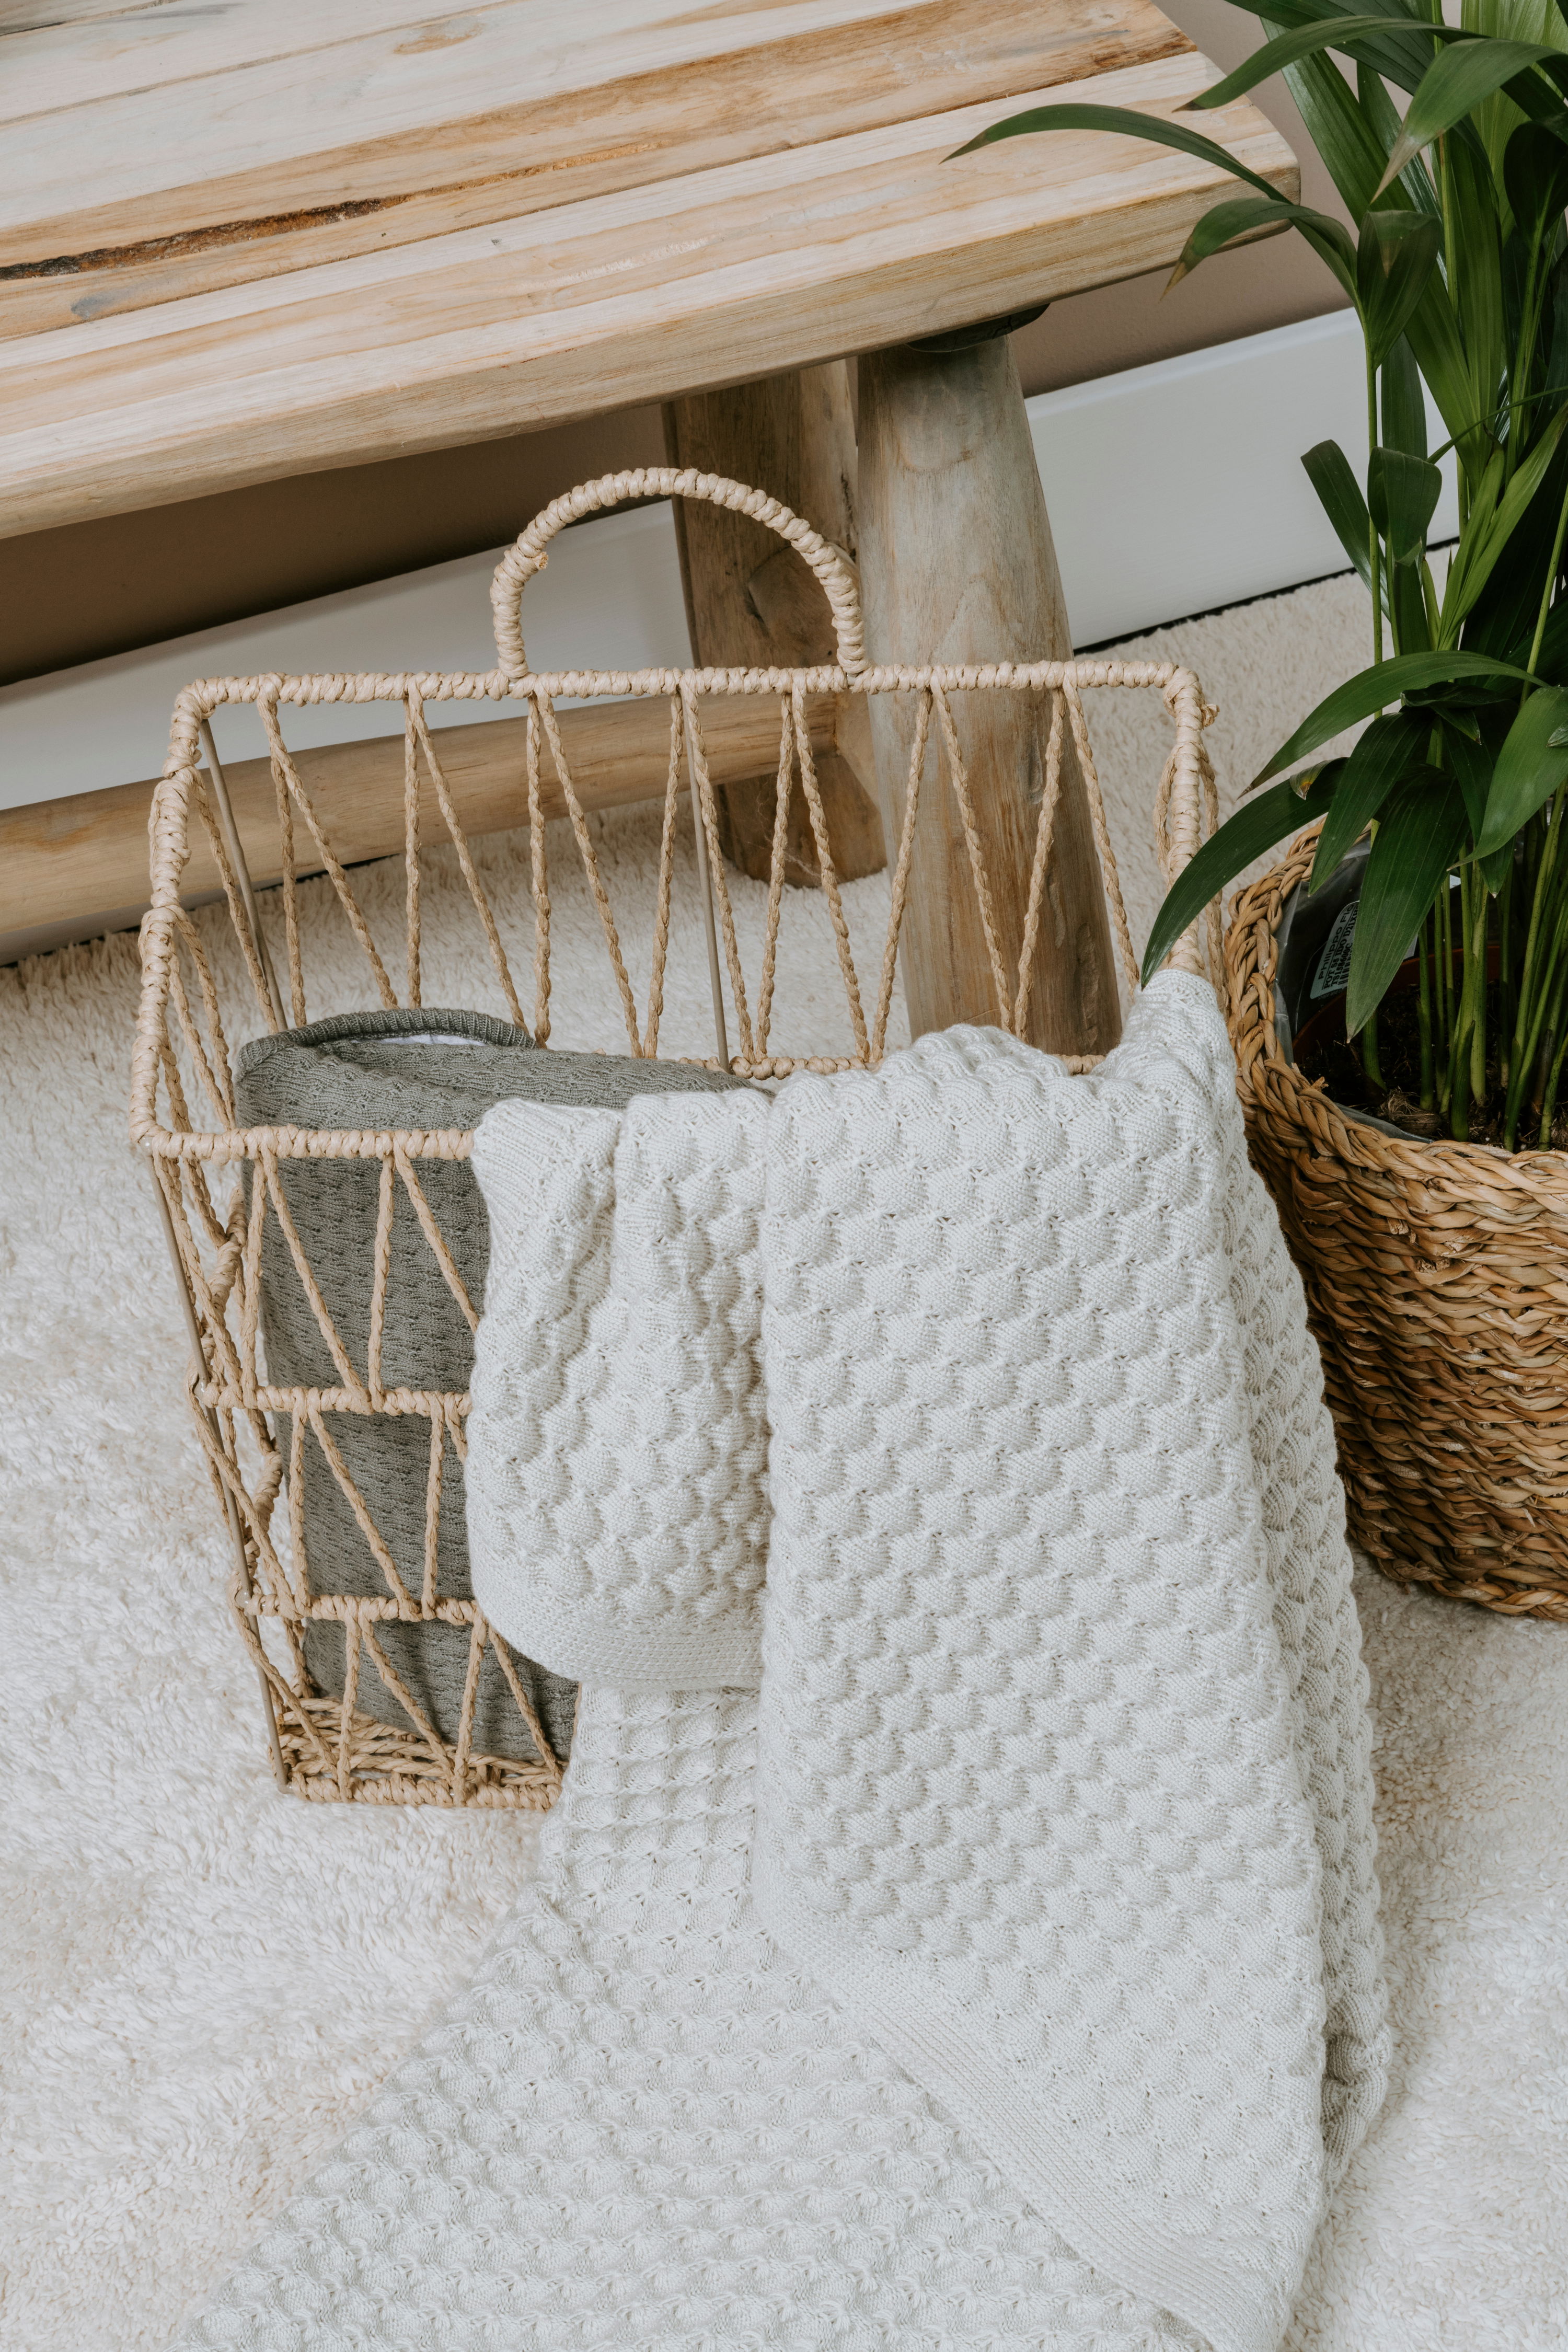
[(645, 2129), (1063, 1780), (1032, 1995), (618, 1445)]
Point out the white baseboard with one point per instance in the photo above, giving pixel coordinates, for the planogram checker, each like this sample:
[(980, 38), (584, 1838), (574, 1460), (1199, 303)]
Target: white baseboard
[(1172, 489), (1176, 487), (611, 597)]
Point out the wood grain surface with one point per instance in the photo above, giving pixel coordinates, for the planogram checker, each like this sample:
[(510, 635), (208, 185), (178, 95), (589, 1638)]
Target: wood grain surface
[(76, 862), (751, 602), (957, 565), (153, 152), (704, 278)]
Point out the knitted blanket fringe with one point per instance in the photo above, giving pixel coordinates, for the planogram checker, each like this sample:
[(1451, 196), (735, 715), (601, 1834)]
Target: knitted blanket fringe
[(959, 1925)]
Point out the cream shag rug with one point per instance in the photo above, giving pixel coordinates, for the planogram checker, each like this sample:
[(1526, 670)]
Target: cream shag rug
[(201, 1982)]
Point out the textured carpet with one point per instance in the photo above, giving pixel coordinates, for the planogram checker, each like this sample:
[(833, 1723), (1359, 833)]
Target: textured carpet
[(201, 1982)]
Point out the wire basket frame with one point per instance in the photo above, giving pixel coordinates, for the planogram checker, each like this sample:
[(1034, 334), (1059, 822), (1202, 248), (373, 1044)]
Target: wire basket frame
[(183, 1112)]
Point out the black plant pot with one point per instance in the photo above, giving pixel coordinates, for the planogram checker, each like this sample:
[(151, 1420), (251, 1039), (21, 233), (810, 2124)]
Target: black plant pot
[(1314, 938), (1314, 949)]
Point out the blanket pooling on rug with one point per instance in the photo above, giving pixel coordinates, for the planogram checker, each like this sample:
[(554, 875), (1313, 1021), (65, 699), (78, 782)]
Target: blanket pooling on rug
[(1063, 1793), (643, 2129)]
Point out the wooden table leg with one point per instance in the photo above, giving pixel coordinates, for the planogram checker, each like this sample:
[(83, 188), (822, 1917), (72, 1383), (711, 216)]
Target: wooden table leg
[(749, 599), (956, 565)]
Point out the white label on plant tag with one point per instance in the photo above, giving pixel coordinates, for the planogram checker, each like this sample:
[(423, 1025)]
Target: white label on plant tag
[(1334, 970), (1334, 964)]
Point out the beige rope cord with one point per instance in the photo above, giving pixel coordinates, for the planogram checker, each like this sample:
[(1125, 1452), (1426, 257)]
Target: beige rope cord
[(183, 1115)]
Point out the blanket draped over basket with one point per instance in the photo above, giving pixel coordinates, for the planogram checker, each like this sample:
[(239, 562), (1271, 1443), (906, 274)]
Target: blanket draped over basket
[(1004, 1968)]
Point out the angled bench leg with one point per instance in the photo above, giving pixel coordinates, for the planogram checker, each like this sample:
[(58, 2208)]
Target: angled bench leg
[(956, 565), (749, 600)]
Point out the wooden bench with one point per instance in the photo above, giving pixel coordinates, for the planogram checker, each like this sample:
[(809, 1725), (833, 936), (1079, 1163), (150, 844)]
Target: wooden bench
[(270, 237)]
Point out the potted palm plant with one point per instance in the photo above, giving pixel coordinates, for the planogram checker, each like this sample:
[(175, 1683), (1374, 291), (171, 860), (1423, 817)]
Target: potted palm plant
[(1414, 1131)]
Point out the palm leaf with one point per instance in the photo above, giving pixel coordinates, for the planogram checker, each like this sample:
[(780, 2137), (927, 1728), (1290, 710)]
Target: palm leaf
[(1403, 493), (1416, 843), (1370, 690), (1305, 41), (1329, 471), (1531, 764), (1355, 156), (1396, 254), (1398, 59), (1384, 757), (1239, 216), (1477, 294), (1403, 408), (1125, 124), (1480, 547), (1456, 81), (1469, 762), (1406, 605), (1382, 117), (1256, 826), (1535, 178)]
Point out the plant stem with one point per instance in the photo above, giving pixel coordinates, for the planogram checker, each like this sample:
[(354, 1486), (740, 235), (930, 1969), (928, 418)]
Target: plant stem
[(1546, 591), (1531, 997), (1446, 991), (1451, 272), (1478, 997), (1546, 1059), (1425, 951), (1461, 1066), (1548, 1100), (1373, 549), (1369, 1056), (1532, 935), (1459, 1084), (1504, 973)]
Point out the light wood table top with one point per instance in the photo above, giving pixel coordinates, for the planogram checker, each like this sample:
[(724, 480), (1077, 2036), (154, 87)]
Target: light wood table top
[(266, 237)]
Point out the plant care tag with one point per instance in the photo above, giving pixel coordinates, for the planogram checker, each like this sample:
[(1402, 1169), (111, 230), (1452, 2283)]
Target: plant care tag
[(1334, 964), (1334, 971)]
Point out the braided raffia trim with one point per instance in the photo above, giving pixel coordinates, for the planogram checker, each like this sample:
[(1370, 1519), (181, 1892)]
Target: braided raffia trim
[(521, 563)]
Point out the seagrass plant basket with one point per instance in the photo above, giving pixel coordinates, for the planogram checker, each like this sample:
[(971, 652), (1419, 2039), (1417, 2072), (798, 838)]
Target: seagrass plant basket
[(213, 977), (1437, 1280)]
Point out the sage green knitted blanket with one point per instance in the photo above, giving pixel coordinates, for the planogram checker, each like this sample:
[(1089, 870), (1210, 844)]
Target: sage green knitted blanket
[(406, 1069)]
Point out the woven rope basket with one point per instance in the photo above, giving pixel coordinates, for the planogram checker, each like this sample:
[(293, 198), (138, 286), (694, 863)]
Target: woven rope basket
[(1436, 1278), (182, 1108)]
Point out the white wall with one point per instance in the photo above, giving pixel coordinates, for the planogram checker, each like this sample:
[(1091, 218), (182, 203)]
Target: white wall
[(1172, 488), (611, 595), (1177, 487)]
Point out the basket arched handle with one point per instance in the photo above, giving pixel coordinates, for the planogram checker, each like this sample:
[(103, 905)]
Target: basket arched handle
[(521, 562)]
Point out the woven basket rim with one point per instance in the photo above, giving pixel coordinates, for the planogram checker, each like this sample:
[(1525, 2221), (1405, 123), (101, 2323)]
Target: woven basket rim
[(1426, 1157)]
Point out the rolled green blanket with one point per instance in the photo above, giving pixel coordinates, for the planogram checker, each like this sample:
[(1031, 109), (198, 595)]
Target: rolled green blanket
[(417, 1068)]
